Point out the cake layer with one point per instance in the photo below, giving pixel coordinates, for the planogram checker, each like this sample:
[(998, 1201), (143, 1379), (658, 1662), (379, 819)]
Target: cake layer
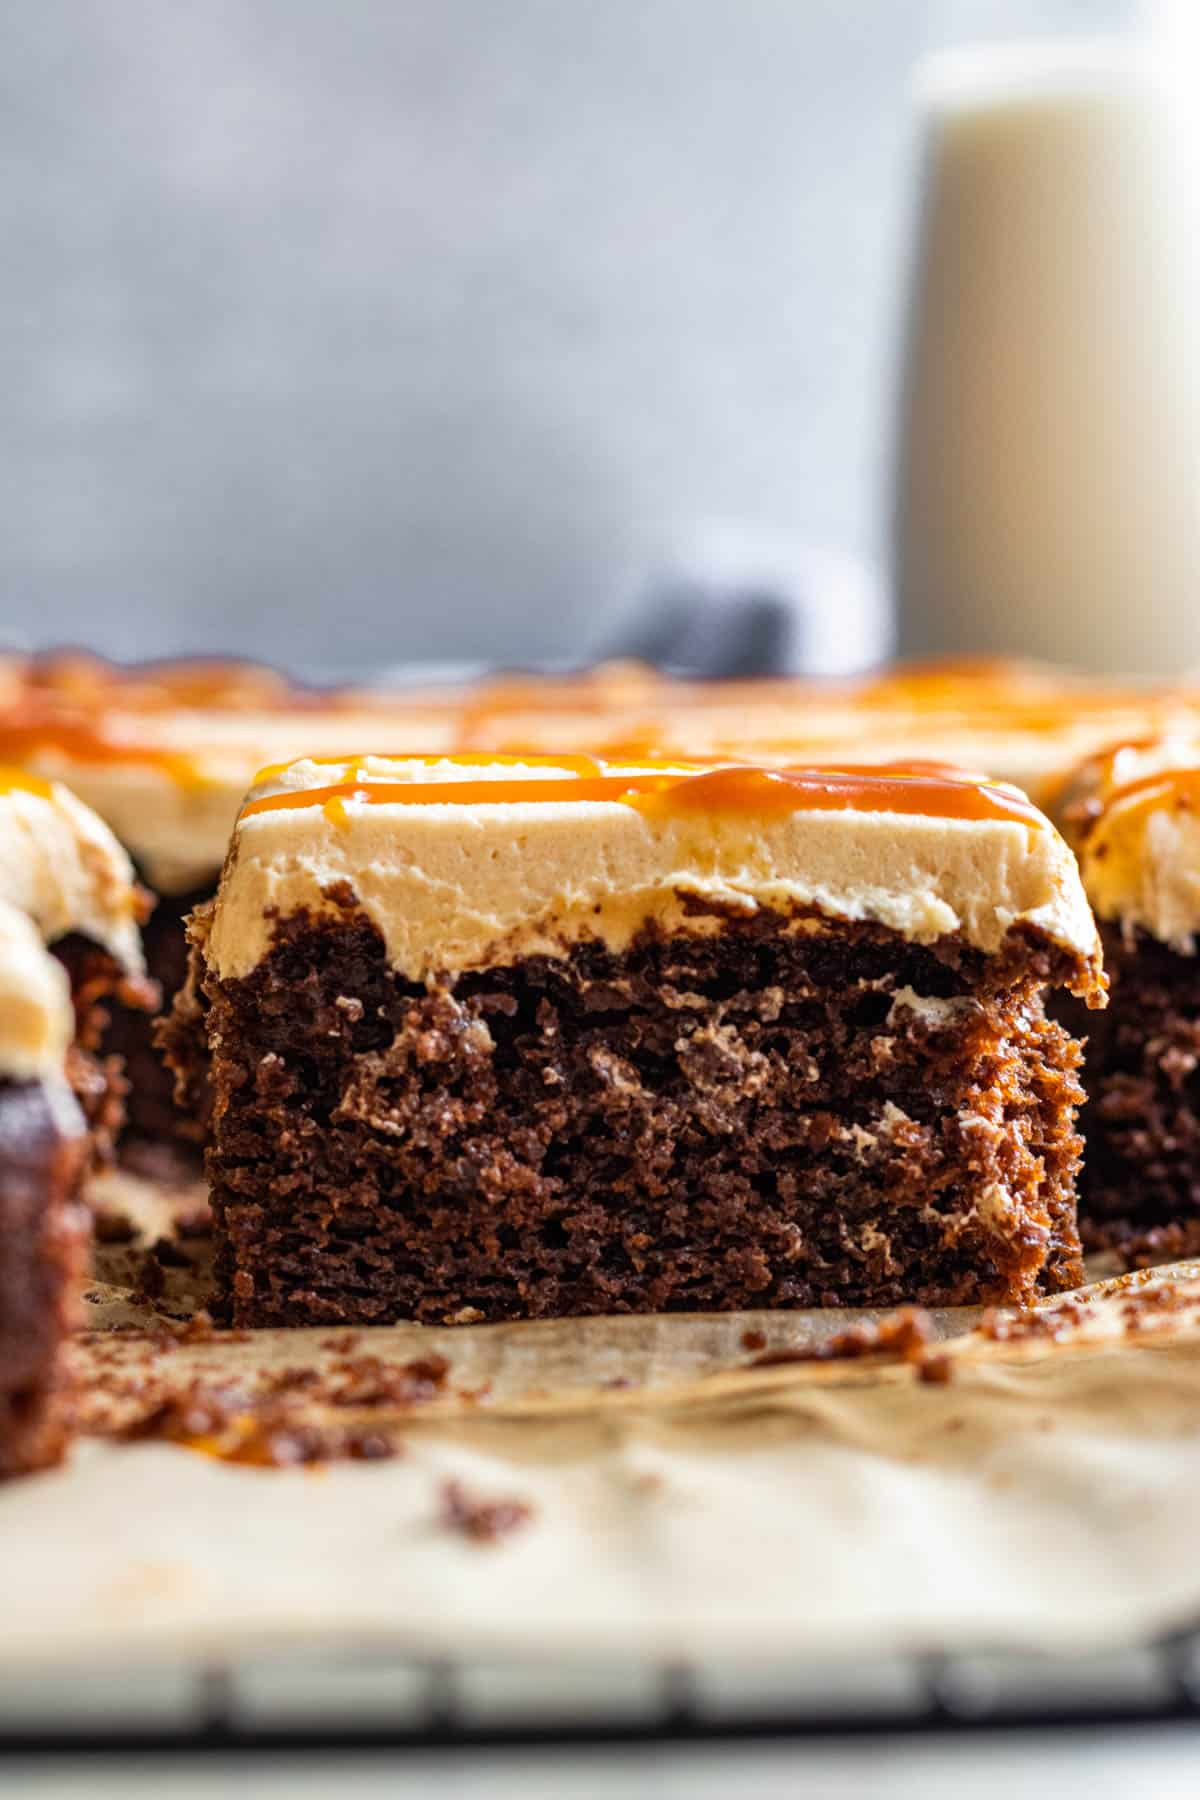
[(1141, 1187), (44, 1147), (43, 1262), (1131, 814), (745, 1117), (461, 863)]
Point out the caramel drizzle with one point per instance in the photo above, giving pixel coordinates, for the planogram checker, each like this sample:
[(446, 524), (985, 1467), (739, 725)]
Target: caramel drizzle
[(71, 704), (622, 710), (912, 789), (20, 781), (572, 764), (81, 679), (1179, 788), (84, 741)]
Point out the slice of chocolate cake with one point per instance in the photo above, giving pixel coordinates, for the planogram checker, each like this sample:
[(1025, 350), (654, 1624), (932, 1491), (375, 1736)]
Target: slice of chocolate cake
[(66, 883), (1133, 815), (494, 1040), (43, 1227)]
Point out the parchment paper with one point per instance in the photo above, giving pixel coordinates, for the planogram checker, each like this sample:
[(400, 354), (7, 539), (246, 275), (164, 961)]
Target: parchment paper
[(682, 1500)]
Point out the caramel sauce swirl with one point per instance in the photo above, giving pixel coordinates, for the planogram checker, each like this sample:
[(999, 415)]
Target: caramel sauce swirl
[(30, 733), (927, 790), (1176, 790)]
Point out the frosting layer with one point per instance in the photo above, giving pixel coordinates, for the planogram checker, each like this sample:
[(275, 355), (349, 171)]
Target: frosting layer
[(62, 867), (36, 1016), (1134, 817), (466, 881)]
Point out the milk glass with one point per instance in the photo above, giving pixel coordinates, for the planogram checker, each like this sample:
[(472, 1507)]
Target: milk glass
[(1047, 497)]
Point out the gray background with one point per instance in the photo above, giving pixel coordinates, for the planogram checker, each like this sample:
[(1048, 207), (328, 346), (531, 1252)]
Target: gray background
[(346, 330)]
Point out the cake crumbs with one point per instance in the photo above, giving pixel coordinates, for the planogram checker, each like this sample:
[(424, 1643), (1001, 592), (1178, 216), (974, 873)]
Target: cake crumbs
[(1140, 1311), (269, 1418), (483, 1521), (233, 1426), (904, 1335), (1034, 1325), (370, 1381), (754, 1339), (112, 1227)]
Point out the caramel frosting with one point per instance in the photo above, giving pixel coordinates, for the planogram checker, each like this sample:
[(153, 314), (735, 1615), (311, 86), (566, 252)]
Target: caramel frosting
[(1133, 814), (62, 867), (36, 1016), (469, 861)]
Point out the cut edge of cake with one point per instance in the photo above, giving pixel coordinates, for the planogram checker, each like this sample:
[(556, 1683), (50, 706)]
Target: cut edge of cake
[(544, 1036)]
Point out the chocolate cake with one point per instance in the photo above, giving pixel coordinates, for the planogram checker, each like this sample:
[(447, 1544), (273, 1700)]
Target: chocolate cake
[(43, 1261), (69, 949), (501, 1040), (1134, 817)]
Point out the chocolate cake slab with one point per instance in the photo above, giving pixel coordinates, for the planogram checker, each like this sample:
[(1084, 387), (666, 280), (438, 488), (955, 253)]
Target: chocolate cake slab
[(43, 1263), (1133, 815), (555, 1036), (69, 950), (44, 1149)]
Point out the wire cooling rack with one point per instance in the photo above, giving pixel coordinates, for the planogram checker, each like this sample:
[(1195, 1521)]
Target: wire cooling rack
[(374, 1705)]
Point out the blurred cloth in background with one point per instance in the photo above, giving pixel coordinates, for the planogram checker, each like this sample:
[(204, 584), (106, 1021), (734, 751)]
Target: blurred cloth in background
[(349, 333)]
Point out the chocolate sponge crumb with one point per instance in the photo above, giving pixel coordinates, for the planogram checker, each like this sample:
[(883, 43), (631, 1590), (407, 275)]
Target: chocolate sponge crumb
[(903, 1334), (483, 1521), (739, 1119), (233, 1426)]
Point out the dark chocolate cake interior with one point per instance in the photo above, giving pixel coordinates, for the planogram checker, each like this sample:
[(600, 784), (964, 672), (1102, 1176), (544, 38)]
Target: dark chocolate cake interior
[(1140, 1192), (153, 1121), (757, 1113), (43, 1250)]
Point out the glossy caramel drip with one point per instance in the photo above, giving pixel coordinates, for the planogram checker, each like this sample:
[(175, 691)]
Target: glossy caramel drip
[(930, 791), (19, 781), (26, 733), (1084, 795), (79, 679), (1175, 790)]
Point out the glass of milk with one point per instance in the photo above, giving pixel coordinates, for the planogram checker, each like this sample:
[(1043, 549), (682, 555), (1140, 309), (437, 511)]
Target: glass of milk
[(1047, 498)]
